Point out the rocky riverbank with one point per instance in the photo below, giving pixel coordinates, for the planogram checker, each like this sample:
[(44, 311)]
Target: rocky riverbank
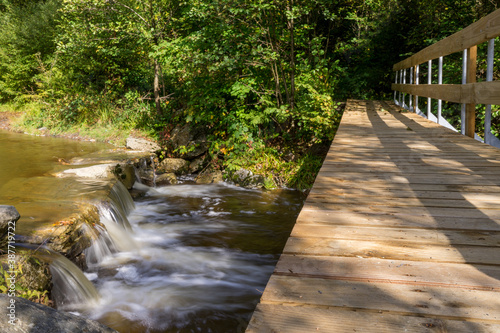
[(24, 316)]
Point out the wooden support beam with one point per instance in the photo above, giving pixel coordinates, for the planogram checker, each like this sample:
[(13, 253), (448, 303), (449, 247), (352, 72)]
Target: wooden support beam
[(470, 109), (415, 97)]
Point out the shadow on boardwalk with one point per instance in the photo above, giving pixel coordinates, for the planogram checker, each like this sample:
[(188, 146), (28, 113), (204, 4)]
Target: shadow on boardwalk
[(399, 234)]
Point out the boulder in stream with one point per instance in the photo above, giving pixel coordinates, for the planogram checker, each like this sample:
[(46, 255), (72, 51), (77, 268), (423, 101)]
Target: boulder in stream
[(178, 166), (142, 145), (125, 172), (197, 164), (8, 215), (25, 316), (209, 176), (248, 179), (166, 179)]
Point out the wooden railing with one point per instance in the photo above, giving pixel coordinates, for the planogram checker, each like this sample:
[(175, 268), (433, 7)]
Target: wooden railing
[(470, 92)]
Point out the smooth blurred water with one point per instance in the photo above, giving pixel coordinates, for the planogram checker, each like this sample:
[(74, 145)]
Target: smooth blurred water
[(27, 165), (201, 258), (196, 259)]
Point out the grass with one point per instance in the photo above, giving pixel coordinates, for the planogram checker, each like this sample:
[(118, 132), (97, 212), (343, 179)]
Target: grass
[(102, 124)]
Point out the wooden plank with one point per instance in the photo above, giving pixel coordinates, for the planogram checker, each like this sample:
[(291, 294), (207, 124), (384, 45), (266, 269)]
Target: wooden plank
[(409, 178), (380, 184), (455, 93), (492, 203), (436, 161), (401, 220), (398, 250), (398, 298), (493, 214), (470, 93), (359, 193), (398, 235), (299, 319), (412, 168), (470, 108), (416, 273)]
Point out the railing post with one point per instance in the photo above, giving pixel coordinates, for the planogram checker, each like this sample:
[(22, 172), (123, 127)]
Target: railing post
[(429, 81), (410, 96), (440, 81), (464, 81), (400, 72), (416, 83), (470, 109), (489, 77), (404, 97), (395, 92)]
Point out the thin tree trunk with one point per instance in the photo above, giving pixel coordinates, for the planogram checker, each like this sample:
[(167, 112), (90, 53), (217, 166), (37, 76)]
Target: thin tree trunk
[(156, 87), (292, 60)]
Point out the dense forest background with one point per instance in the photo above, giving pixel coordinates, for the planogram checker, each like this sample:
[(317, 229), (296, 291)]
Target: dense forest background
[(264, 80)]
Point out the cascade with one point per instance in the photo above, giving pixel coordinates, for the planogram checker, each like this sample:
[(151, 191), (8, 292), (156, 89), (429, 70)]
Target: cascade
[(102, 245), (154, 170), (120, 204), (72, 289), (121, 198), (116, 236), (184, 265)]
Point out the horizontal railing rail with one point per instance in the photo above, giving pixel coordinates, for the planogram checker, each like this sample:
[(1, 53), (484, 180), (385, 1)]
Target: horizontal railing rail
[(470, 92)]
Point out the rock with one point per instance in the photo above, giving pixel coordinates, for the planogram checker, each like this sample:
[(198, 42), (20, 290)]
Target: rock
[(147, 177), (194, 141), (25, 316), (246, 178), (241, 176), (8, 218), (178, 166), (126, 174), (196, 165), (100, 171), (8, 215), (166, 179), (142, 145), (209, 176), (123, 171)]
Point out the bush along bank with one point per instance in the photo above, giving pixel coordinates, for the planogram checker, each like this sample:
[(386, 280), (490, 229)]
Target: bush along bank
[(268, 161)]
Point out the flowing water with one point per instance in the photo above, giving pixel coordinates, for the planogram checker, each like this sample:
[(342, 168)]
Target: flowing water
[(198, 258), (26, 181), (182, 258)]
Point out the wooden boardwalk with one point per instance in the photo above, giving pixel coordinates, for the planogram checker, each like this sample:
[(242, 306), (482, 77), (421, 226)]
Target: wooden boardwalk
[(400, 233)]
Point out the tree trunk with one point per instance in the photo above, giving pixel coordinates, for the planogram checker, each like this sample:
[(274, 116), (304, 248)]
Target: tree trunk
[(292, 59), (156, 87)]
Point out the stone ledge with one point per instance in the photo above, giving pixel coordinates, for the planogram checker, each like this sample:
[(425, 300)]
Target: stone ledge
[(33, 317)]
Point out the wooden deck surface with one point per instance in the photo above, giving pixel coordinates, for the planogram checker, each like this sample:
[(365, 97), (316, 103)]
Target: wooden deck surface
[(400, 233)]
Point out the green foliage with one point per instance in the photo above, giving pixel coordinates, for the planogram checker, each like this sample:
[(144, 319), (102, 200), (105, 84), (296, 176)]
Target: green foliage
[(23, 282), (259, 78), (26, 40)]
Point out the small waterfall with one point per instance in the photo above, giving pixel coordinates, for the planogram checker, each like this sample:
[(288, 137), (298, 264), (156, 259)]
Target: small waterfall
[(120, 204), (154, 170), (72, 289), (137, 176), (110, 212), (116, 234), (121, 237), (102, 245), (121, 198)]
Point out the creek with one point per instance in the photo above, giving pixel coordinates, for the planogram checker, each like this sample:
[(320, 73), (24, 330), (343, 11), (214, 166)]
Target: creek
[(181, 258)]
